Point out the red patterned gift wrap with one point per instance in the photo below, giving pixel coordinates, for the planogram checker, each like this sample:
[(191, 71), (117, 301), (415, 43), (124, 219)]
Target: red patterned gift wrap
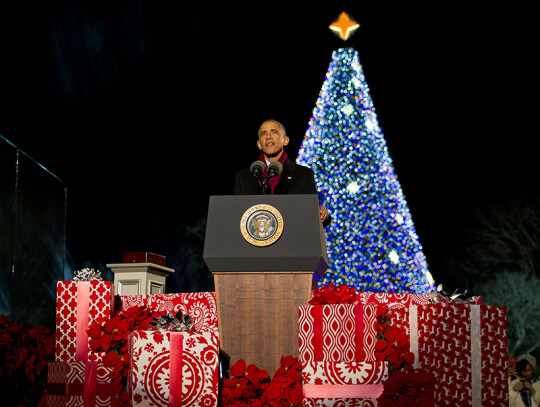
[(201, 306), (394, 300), (464, 346), (344, 379), (337, 333), (338, 402), (78, 384), (344, 373), (173, 369), (78, 304)]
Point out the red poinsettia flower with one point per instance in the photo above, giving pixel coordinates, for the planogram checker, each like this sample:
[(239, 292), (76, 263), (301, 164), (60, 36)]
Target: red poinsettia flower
[(394, 348), (290, 367), (233, 388), (238, 369), (283, 391)]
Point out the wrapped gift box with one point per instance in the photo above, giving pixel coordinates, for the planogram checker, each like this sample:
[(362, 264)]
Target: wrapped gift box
[(77, 384), (143, 257), (344, 379), (173, 369), (338, 402), (344, 373), (337, 333), (464, 346), (398, 300), (78, 304), (200, 306)]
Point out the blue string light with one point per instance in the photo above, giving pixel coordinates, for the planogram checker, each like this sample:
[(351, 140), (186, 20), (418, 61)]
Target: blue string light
[(372, 244)]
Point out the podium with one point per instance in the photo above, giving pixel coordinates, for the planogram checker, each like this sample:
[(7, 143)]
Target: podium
[(266, 253)]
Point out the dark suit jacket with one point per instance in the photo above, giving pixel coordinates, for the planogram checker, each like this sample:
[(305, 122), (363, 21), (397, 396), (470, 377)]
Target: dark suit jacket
[(295, 179)]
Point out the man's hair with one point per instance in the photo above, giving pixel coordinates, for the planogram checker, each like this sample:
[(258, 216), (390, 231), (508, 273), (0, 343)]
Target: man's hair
[(281, 127)]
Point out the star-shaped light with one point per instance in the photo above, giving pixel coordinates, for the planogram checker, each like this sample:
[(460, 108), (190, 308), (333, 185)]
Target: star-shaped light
[(344, 26)]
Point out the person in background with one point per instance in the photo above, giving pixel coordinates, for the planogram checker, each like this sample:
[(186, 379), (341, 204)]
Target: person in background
[(524, 390)]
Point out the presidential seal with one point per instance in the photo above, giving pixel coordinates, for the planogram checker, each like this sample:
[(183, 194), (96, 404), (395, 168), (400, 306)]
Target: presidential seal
[(261, 225)]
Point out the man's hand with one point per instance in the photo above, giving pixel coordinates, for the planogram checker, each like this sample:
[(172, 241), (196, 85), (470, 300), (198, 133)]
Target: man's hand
[(324, 213)]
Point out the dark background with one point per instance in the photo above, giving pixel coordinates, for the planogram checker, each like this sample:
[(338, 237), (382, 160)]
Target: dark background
[(146, 108)]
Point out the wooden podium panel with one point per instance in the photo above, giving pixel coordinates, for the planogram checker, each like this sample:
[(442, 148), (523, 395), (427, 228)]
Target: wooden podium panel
[(258, 314)]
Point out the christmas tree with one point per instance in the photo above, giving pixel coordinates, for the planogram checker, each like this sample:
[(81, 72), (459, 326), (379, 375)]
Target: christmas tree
[(372, 244)]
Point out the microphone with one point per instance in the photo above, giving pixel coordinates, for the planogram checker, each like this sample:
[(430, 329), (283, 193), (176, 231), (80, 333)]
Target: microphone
[(257, 168), (274, 169)]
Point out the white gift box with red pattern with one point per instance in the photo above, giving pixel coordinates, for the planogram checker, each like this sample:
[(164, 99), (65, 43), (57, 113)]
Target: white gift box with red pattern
[(77, 384), (464, 346), (200, 306), (173, 369), (79, 304), (337, 333), (394, 300), (338, 402), (337, 351), (344, 373)]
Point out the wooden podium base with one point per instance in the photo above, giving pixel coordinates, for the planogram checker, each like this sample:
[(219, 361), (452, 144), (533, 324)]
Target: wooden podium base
[(258, 314)]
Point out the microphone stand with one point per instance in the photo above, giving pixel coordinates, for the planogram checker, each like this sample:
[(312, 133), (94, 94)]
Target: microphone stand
[(263, 184)]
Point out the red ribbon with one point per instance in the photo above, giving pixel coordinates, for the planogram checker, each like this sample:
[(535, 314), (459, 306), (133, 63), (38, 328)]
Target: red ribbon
[(359, 332), (90, 384), (175, 368), (83, 303), (367, 391), (318, 337)]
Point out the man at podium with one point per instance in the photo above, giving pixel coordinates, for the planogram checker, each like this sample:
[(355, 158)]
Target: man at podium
[(274, 173)]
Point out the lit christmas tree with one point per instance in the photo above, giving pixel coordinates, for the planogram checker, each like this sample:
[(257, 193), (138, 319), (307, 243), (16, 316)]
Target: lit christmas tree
[(372, 244)]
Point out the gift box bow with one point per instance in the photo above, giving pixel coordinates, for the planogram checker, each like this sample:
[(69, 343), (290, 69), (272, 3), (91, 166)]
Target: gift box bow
[(330, 294), (87, 274)]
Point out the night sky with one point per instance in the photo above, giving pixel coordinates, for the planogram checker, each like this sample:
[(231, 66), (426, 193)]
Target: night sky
[(146, 108)]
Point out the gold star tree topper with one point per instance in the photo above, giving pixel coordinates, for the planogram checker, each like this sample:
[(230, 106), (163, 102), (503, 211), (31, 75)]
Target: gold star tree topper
[(344, 26)]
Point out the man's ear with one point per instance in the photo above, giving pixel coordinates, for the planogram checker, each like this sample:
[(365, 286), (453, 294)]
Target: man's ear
[(285, 140), (259, 144)]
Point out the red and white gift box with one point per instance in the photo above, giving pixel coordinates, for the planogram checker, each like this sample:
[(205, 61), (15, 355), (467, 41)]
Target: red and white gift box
[(338, 402), (78, 304), (200, 306), (173, 369), (394, 300), (337, 352), (464, 346), (77, 384), (337, 333), (344, 379), (344, 373)]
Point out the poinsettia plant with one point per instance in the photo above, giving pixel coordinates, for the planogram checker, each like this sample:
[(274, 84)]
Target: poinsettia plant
[(111, 337), (250, 386), (25, 352), (285, 389), (406, 386), (246, 385)]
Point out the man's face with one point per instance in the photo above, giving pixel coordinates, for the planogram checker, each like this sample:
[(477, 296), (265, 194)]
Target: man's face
[(271, 140)]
